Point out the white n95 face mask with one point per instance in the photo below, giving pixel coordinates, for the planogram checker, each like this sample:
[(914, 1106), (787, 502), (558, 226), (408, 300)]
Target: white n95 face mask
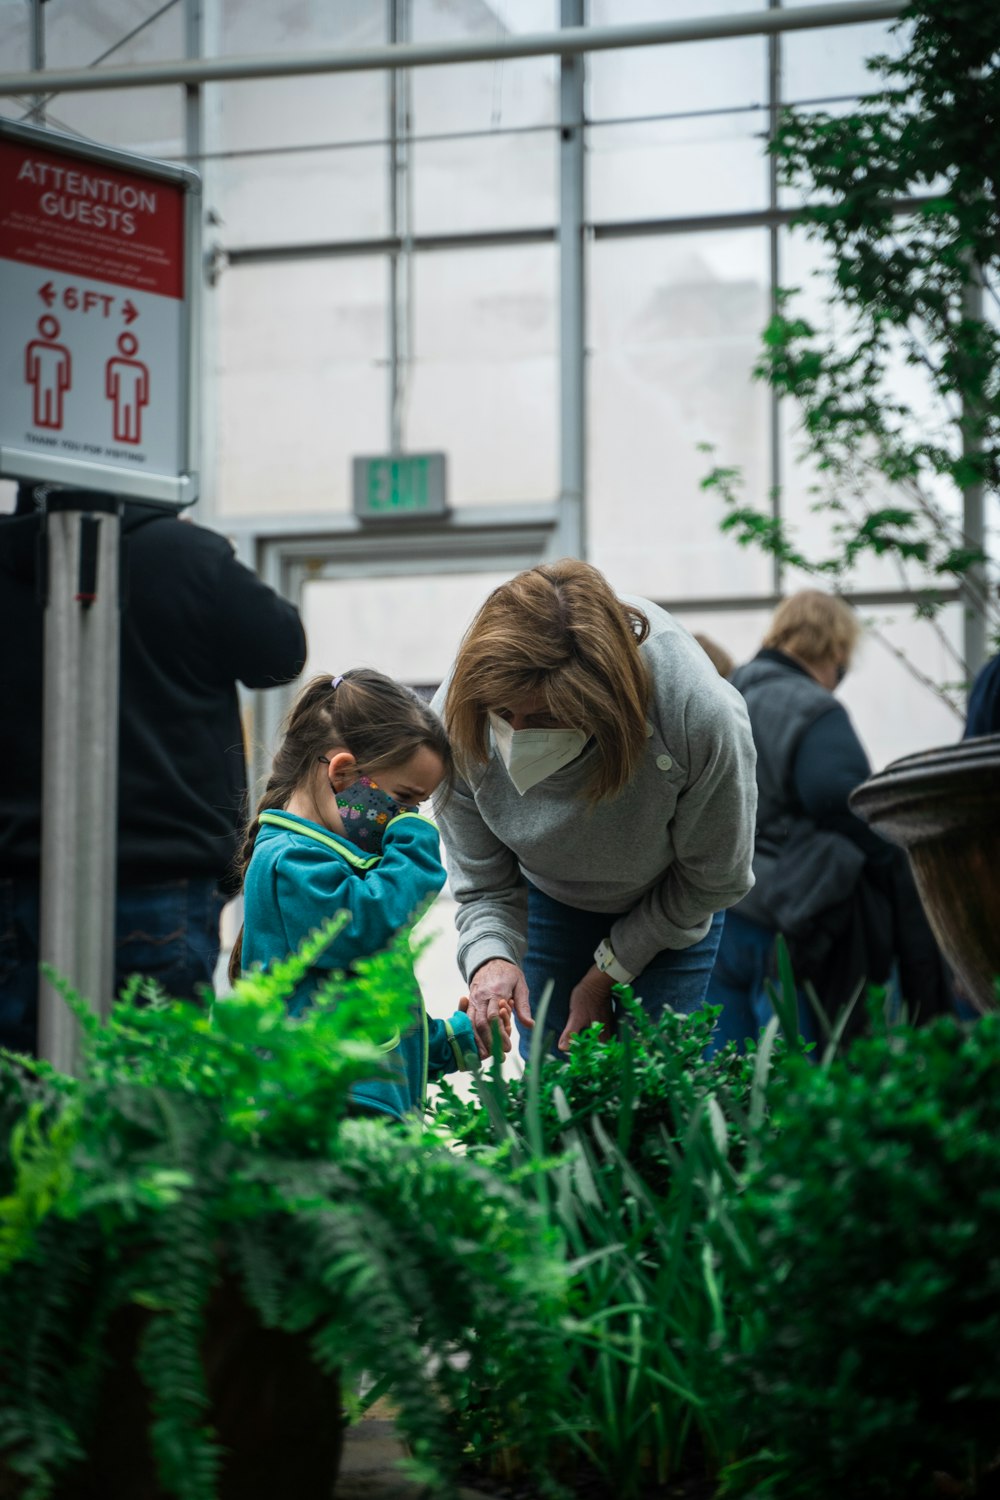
[(532, 754)]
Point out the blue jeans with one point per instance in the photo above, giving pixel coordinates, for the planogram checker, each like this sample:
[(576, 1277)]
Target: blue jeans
[(561, 944), (167, 931), (744, 962)]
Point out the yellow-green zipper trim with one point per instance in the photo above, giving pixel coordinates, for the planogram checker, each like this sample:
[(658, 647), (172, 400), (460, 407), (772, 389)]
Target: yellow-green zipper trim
[(360, 861)]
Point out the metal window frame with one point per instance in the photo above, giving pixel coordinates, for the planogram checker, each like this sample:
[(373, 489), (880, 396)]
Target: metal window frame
[(289, 551)]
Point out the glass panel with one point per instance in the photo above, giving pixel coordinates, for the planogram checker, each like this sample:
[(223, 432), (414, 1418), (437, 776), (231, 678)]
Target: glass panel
[(443, 20), (363, 622), (301, 383), (894, 713), (738, 633), (682, 76), (677, 168), (804, 266), (267, 191), (675, 331), (484, 382), (485, 96), (490, 95), (270, 113), (298, 25), (506, 183), (15, 54), (302, 198), (147, 120), (830, 62)]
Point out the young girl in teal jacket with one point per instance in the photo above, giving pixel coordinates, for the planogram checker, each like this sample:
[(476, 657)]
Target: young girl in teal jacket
[(338, 829)]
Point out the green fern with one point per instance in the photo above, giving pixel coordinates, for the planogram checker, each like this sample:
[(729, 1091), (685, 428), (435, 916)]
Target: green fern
[(210, 1147)]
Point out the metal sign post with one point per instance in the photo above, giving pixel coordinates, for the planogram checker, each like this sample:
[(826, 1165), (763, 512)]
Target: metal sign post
[(79, 760), (98, 399)]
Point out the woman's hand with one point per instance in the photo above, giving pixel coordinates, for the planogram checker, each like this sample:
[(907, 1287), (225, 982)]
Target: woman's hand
[(589, 1001), (496, 987)]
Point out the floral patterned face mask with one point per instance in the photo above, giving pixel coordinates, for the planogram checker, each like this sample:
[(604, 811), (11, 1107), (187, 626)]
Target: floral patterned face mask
[(366, 812)]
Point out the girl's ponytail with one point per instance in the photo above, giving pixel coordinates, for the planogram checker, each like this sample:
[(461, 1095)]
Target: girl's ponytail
[(275, 795)]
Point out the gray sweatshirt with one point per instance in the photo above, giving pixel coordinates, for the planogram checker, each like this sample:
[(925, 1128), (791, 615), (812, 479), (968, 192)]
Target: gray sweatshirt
[(673, 848)]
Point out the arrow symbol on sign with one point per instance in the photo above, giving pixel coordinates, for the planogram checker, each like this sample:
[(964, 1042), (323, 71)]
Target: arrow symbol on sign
[(47, 293), (130, 312)]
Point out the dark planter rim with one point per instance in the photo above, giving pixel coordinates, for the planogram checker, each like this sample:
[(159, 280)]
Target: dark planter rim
[(947, 771)]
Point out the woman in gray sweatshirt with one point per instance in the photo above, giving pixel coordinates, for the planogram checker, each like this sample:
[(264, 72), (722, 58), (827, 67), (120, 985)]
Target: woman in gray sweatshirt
[(603, 818)]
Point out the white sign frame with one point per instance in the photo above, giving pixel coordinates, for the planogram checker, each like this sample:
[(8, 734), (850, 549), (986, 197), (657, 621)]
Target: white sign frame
[(164, 481)]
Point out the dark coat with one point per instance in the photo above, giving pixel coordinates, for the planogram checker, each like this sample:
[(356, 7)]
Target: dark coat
[(843, 897), (194, 623)]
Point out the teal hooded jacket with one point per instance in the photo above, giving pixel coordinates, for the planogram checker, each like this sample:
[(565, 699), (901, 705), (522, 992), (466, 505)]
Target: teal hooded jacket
[(299, 874)]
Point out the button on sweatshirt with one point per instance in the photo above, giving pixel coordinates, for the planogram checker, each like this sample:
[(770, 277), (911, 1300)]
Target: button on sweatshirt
[(673, 848)]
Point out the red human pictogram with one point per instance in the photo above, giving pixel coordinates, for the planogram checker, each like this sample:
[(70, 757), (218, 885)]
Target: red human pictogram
[(126, 383), (48, 369)]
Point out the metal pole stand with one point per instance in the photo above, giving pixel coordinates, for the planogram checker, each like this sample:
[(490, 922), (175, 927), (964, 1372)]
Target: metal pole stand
[(79, 761)]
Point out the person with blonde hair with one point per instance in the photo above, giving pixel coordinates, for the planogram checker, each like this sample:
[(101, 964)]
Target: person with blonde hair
[(838, 892), (603, 812)]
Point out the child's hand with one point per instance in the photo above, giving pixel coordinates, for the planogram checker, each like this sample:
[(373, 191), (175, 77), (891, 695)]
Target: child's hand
[(504, 1013)]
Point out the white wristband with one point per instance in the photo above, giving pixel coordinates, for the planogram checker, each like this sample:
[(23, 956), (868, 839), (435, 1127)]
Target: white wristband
[(605, 960)]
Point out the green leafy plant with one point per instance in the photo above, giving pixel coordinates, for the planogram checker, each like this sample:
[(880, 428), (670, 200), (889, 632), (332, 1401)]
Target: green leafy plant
[(899, 393), (207, 1158), (871, 1293), (644, 1139)]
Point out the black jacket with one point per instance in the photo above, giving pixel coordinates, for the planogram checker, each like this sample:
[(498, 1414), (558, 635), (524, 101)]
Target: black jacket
[(851, 910), (194, 623)]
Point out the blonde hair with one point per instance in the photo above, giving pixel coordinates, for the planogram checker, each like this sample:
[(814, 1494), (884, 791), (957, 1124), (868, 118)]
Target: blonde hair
[(560, 630), (814, 626), (717, 655)]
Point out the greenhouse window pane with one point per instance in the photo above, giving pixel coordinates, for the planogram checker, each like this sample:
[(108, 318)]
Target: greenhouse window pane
[(149, 121), (682, 76), (677, 168), (296, 25), (894, 713), (805, 265), (369, 620), (831, 61), (490, 95), (264, 113), (301, 383), (484, 385), (303, 197), (737, 632), (467, 185), (485, 20), (485, 96), (15, 53), (675, 331)]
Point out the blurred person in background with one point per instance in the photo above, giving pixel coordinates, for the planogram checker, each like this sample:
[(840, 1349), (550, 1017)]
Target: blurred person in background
[(842, 896), (603, 814), (717, 655), (194, 623)]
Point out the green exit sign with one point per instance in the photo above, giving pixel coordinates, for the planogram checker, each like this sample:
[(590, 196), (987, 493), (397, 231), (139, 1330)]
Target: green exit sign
[(399, 486)]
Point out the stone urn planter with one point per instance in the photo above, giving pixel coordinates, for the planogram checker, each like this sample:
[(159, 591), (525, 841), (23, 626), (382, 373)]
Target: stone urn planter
[(943, 807)]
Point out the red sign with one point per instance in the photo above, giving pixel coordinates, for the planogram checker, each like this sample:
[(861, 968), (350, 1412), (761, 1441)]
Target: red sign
[(91, 220)]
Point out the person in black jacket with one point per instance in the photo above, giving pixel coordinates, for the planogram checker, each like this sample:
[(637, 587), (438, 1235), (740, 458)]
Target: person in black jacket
[(195, 622), (841, 895)]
